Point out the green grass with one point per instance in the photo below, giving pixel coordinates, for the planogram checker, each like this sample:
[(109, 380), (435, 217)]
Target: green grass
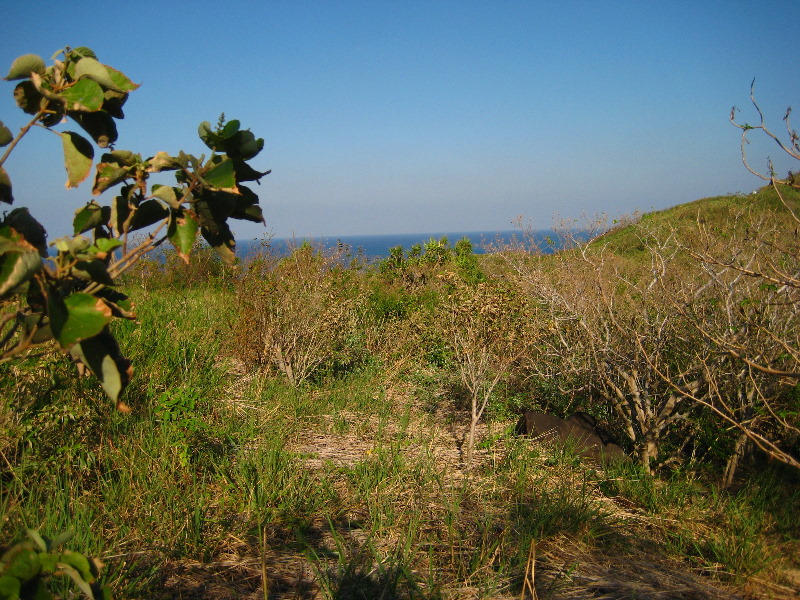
[(718, 214)]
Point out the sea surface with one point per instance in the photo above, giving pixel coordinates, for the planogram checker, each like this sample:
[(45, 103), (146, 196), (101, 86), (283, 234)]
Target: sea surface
[(376, 247)]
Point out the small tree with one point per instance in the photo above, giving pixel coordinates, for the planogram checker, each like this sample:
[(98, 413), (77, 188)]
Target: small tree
[(488, 329), (69, 299), (745, 311)]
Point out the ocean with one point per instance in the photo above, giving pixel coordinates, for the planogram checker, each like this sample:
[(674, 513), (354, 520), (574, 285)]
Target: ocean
[(376, 247)]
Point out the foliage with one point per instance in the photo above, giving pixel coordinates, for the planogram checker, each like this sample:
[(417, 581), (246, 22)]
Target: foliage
[(71, 298), (640, 324), (488, 328), (177, 414), (27, 566), (283, 470), (299, 313), (420, 263)]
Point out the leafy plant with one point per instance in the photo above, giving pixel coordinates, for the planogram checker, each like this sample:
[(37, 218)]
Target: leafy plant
[(488, 328), (71, 298), (27, 566), (177, 413)]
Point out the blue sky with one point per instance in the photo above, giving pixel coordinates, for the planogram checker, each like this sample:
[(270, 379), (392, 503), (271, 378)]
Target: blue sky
[(426, 116)]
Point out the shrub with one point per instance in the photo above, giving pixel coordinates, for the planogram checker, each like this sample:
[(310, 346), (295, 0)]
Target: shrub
[(299, 313)]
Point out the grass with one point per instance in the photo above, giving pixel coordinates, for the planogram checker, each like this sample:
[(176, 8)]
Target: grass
[(387, 512), (227, 483)]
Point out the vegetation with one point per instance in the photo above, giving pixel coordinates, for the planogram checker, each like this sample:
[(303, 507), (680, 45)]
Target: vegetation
[(233, 479), (313, 425), (72, 299)]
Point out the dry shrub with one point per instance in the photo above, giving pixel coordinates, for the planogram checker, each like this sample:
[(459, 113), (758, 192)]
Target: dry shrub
[(614, 333), (488, 326), (686, 330), (298, 313)]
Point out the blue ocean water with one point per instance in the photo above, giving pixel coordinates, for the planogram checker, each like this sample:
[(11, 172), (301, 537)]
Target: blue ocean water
[(377, 247)]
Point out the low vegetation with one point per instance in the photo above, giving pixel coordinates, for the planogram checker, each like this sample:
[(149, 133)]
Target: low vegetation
[(374, 455)]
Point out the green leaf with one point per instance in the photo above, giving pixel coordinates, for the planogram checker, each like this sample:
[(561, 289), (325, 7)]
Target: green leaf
[(221, 176), (21, 221), (246, 206), (24, 565), (23, 66), (230, 129), (9, 587), (63, 537), (88, 217), (5, 187), (209, 137), (6, 137), (37, 539), (121, 306), (113, 103), (90, 68), (233, 142), (163, 162), (72, 245), (222, 241), (78, 155), (75, 575), (54, 114), (38, 325), (148, 213), (121, 82), (106, 245), (49, 562), (78, 317), (80, 51), (213, 208), (79, 562), (120, 211), (245, 172), (95, 270), (167, 194), (27, 97), (108, 175), (124, 158), (101, 354), (250, 213), (182, 233), (19, 261), (244, 145), (84, 95)]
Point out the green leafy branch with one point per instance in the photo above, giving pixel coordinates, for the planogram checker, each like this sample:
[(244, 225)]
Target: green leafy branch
[(70, 298)]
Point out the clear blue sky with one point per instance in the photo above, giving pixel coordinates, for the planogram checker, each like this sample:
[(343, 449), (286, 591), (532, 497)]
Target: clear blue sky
[(424, 116)]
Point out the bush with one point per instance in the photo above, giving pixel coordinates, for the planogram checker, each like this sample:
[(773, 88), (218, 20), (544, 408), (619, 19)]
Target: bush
[(299, 314)]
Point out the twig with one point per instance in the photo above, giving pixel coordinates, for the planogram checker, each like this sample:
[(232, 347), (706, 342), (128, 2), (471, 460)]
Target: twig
[(530, 573), (20, 135), (264, 577)]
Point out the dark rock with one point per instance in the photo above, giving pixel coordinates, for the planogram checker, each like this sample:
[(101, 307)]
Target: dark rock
[(591, 440)]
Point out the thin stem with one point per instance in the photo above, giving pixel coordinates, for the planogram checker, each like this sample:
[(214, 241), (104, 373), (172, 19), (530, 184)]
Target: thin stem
[(20, 135)]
